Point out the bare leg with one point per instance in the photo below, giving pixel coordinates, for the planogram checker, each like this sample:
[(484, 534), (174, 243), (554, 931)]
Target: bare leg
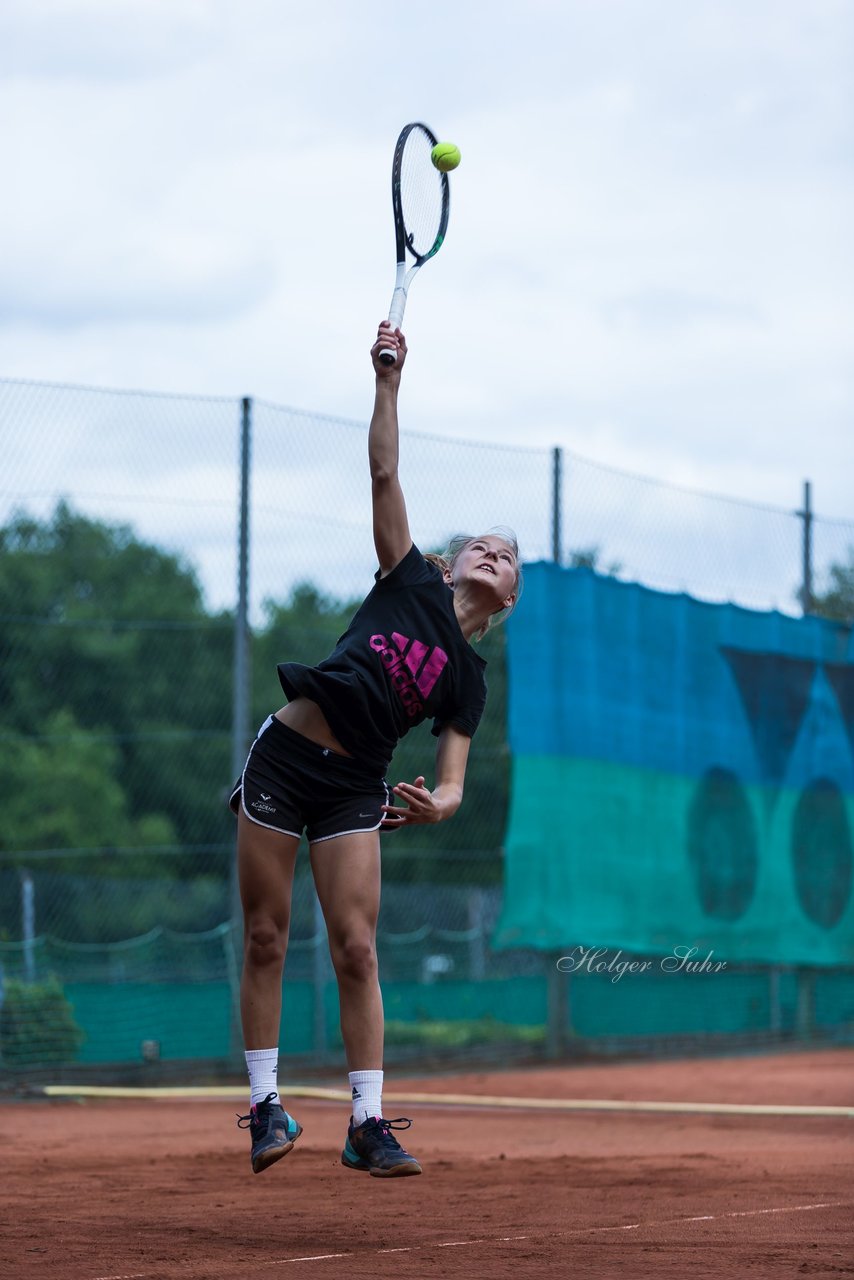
[(265, 861), (347, 876)]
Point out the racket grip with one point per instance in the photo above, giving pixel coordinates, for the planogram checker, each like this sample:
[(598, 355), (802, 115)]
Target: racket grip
[(395, 319), (397, 308)]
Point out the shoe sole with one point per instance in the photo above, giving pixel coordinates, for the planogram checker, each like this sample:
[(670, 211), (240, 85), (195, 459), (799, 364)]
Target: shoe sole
[(275, 1153), (406, 1170)]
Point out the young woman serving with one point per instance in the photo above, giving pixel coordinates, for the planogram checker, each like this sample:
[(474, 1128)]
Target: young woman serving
[(319, 765)]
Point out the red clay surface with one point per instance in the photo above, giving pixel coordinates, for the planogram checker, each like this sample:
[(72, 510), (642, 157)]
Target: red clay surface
[(163, 1190)]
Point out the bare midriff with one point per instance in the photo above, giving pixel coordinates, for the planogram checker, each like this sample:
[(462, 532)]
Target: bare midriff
[(305, 717)]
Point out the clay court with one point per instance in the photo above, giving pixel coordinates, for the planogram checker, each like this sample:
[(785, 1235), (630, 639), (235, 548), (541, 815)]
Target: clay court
[(159, 1189)]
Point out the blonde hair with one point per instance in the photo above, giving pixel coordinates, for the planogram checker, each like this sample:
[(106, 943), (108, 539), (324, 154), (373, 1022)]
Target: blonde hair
[(446, 561)]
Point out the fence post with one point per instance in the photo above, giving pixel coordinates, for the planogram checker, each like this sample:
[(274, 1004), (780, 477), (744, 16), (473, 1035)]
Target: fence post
[(28, 924), (556, 993), (241, 684), (774, 1004), (805, 1015), (807, 517), (477, 928), (557, 1003), (557, 500)]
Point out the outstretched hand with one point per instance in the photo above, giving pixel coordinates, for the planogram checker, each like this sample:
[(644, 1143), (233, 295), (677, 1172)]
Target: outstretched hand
[(388, 339), (421, 806)]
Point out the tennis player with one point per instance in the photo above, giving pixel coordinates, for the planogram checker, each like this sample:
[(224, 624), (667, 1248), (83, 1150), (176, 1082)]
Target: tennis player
[(319, 765)]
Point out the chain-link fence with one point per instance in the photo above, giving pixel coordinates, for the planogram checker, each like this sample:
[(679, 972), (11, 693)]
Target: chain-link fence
[(119, 726)]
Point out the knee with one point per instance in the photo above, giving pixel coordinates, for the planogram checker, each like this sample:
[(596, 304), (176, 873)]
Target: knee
[(355, 959), (264, 942)]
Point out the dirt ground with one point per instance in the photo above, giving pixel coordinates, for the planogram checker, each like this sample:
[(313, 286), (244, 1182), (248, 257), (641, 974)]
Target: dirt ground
[(162, 1190)]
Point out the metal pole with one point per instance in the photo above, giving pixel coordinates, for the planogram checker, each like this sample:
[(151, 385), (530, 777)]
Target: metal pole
[(557, 1009), (240, 726), (805, 1010), (240, 709), (807, 517), (28, 922), (775, 1006), (477, 928), (557, 484), (556, 988)]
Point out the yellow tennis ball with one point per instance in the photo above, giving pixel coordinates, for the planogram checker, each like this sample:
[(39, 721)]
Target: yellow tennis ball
[(445, 156)]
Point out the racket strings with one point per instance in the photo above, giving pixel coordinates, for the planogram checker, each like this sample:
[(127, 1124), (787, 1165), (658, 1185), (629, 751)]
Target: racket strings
[(422, 194)]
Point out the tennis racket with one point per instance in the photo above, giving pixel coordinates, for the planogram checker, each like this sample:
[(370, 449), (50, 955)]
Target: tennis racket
[(421, 198)]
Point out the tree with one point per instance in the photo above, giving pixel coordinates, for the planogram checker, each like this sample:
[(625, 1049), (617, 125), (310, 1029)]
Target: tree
[(837, 602), (115, 715), (588, 558), (106, 639), (64, 793)]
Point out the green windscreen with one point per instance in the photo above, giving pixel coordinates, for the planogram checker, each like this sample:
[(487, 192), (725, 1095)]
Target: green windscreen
[(682, 775)]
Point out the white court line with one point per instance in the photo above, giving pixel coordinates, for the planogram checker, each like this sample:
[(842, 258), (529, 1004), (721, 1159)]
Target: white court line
[(548, 1235), (315, 1257), (747, 1213), (708, 1217), (474, 1101), (582, 1231)]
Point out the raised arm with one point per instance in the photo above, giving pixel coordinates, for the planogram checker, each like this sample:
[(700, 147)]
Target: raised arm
[(391, 526)]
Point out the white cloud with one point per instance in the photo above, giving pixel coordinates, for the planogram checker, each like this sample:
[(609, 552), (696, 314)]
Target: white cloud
[(649, 255)]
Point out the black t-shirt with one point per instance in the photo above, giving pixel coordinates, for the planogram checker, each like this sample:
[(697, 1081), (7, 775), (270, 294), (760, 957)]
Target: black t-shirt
[(402, 658)]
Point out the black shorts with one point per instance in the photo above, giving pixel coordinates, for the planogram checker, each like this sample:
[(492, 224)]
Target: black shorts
[(290, 783)]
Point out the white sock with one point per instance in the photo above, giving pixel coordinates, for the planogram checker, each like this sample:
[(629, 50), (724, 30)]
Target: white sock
[(367, 1089), (262, 1065)]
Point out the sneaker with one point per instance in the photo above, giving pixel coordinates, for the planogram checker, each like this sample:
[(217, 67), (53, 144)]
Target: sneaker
[(372, 1146), (272, 1130)]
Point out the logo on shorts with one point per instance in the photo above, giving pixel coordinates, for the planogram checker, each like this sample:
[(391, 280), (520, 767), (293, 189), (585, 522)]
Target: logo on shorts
[(261, 806), (413, 668)]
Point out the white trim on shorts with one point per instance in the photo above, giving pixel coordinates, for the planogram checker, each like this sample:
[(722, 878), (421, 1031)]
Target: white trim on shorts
[(356, 830), (268, 826)]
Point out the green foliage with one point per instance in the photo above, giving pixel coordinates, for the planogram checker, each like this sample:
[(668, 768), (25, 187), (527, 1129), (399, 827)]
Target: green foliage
[(37, 1025), (64, 792), (115, 697), (837, 602), (107, 905), (588, 558), (462, 1034), (115, 721)]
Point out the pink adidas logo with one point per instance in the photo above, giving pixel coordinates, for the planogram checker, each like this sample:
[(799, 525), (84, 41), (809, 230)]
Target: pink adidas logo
[(413, 668)]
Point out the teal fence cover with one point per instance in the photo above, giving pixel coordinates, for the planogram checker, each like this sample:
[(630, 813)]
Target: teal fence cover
[(682, 775)]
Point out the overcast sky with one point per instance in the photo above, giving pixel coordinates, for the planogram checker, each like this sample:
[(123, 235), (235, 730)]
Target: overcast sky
[(649, 256)]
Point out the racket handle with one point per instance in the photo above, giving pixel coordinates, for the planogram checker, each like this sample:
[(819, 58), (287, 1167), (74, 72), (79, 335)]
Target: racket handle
[(395, 319)]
